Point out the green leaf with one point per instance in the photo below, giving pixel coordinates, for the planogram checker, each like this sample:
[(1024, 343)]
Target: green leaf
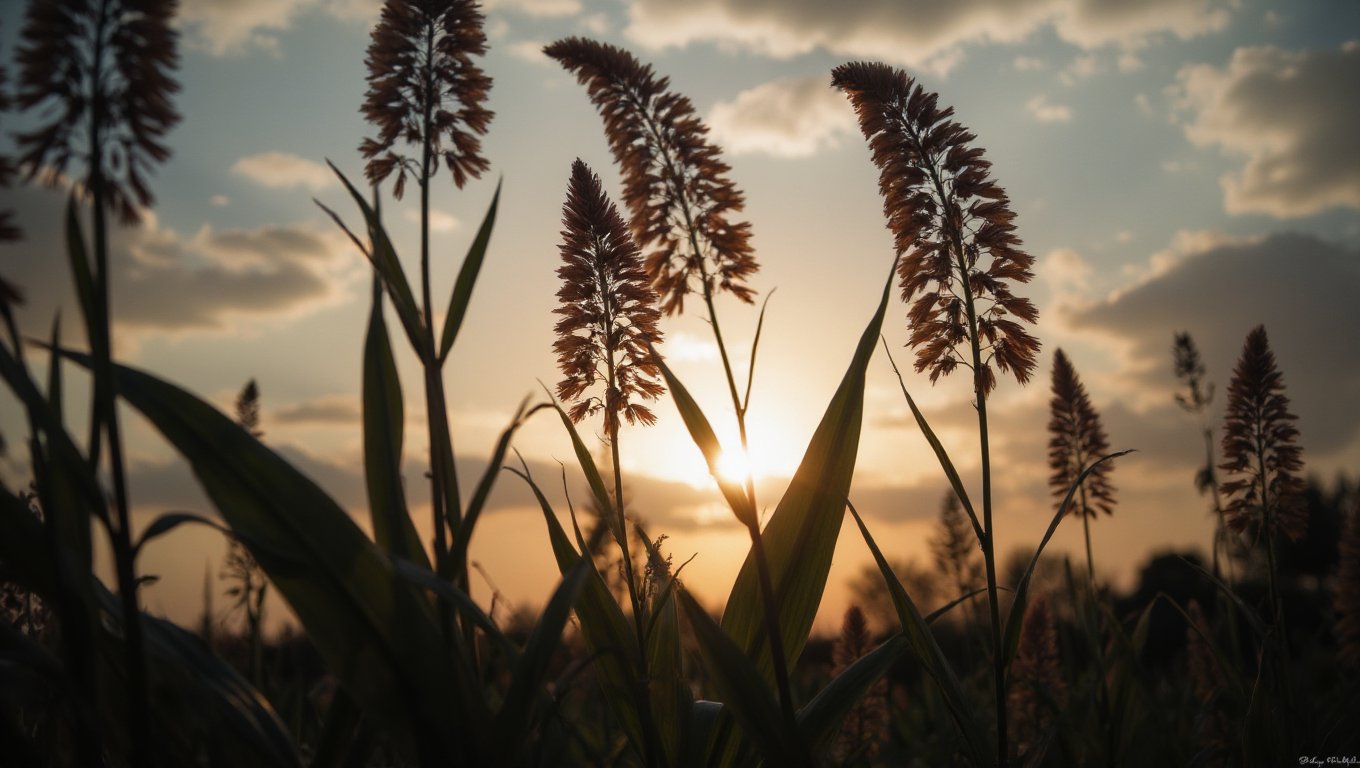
[(467, 278), (376, 634), (460, 601), (744, 693), (384, 419), (384, 259), (516, 718), (821, 718), (603, 500), (168, 522), (941, 454), (80, 269), (701, 728), (928, 652), (755, 346), (702, 433), (1017, 613), (800, 537), (603, 626), (463, 539)]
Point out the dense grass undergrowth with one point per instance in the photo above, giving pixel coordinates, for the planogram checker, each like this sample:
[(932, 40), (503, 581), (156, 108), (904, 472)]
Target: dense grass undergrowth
[(1246, 656)]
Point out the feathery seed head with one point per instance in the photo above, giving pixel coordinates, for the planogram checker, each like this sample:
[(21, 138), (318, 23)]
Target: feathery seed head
[(1038, 690), (608, 310), (679, 199), (1076, 439), (423, 86), (952, 225), (1190, 370), (1261, 454), (101, 69)]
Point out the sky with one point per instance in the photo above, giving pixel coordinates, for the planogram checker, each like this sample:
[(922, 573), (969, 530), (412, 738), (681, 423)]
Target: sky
[(1175, 165)]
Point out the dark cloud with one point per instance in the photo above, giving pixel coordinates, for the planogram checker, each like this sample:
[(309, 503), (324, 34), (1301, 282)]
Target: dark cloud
[(340, 410), (1292, 114), (1302, 289), (165, 282)]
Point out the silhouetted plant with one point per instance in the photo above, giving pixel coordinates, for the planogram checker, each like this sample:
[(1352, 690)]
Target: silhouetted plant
[(865, 728), (1038, 692), (425, 90), (1190, 371), (247, 583), (953, 230), (1076, 440), (675, 185), (8, 229), (100, 73), (954, 549), (1207, 684), (607, 327)]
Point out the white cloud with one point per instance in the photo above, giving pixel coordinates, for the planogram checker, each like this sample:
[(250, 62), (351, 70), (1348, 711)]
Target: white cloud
[(913, 32), (1082, 67), (595, 23), (1028, 64), (1292, 115), (536, 8), (1048, 113), (528, 50), (785, 118), (220, 201), (281, 170), (439, 221), (1065, 271)]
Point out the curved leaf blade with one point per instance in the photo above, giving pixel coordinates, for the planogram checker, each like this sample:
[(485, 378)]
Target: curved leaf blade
[(467, 278)]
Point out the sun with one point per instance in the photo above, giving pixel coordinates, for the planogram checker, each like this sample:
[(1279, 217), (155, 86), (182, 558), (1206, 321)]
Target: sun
[(734, 466)]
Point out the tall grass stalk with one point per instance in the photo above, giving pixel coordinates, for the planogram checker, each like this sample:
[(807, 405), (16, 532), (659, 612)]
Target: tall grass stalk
[(106, 64), (947, 216), (680, 201)]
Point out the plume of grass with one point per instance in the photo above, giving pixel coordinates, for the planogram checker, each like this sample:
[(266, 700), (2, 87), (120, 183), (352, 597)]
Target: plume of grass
[(1261, 456), (681, 207), (1346, 592), (1076, 439), (865, 728), (1196, 399), (425, 90), (247, 582), (954, 548), (8, 229), (954, 231), (607, 326), (1206, 683), (1039, 691), (100, 73)]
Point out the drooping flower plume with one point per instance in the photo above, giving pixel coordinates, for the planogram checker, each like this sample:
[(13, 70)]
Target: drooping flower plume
[(608, 310), (952, 225), (679, 199), (1260, 448), (424, 87), (100, 72), (1076, 439)]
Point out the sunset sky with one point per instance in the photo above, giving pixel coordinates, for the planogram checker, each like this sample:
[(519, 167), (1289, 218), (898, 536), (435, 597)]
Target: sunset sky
[(1175, 165)]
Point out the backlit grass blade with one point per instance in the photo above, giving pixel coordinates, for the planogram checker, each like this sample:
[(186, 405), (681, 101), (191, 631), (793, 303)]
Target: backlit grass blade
[(80, 268), (376, 634), (383, 420), (744, 693), (821, 718), (463, 538), (384, 259), (598, 489), (516, 717), (702, 433), (1017, 613), (606, 630), (801, 534), (928, 652), (467, 278), (941, 454)]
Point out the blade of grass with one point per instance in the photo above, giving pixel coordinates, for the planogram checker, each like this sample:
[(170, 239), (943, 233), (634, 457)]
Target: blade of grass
[(800, 537), (820, 719), (467, 278), (928, 652), (376, 634), (383, 422)]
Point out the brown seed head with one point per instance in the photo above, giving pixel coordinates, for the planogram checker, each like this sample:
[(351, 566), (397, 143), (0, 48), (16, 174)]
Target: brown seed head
[(675, 184), (101, 70), (423, 86), (608, 310), (952, 225), (1260, 450), (1190, 371), (955, 547), (1076, 439), (866, 726), (1206, 682), (1038, 691)]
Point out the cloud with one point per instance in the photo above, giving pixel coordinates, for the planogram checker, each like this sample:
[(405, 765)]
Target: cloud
[(536, 8), (236, 27), (163, 281), (340, 410), (1292, 115), (784, 118), (912, 32), (528, 50), (281, 170), (1027, 64), (439, 220), (1301, 288), (1048, 113)]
